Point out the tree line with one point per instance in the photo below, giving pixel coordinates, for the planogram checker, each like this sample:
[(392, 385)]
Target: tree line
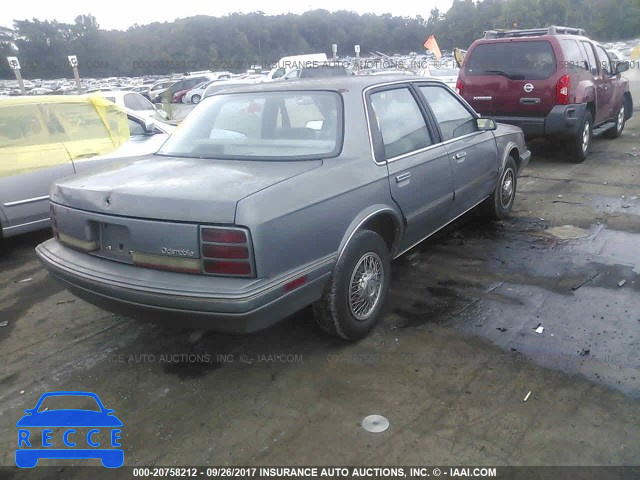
[(235, 42)]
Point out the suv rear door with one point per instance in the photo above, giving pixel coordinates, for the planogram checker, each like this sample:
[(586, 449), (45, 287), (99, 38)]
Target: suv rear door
[(602, 94), (514, 77)]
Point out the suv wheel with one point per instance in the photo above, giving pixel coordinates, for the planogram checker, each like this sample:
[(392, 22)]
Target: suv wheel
[(499, 204), (616, 131), (582, 142), (351, 303)]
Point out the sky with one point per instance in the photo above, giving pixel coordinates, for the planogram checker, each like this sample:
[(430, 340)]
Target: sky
[(121, 14)]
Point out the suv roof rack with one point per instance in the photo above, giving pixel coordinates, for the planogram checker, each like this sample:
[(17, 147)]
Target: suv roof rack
[(533, 32)]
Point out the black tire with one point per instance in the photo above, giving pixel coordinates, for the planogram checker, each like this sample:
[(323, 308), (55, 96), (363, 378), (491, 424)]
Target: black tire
[(195, 99), (580, 151), (334, 313), (498, 206), (616, 130)]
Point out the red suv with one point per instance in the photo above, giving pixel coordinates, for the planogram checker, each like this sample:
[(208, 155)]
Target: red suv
[(552, 82)]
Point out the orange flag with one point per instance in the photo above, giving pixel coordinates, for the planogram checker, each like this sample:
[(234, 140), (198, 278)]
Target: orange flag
[(431, 44)]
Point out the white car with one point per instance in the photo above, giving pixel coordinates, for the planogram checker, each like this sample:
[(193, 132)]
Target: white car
[(133, 101), (446, 75), (195, 95)]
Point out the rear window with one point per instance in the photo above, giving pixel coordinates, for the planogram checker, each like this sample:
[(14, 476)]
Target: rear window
[(261, 125), (532, 60)]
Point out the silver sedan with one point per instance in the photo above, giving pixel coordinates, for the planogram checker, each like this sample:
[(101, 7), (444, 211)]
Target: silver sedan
[(272, 197)]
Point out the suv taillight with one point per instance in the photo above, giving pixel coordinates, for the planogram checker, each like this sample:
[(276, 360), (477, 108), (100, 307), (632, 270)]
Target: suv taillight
[(226, 251), (459, 86), (562, 90)]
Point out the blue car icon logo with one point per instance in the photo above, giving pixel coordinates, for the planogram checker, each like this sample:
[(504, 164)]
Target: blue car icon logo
[(80, 433)]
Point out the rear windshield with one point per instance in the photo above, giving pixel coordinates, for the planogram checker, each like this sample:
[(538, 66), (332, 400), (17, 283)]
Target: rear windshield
[(261, 125), (531, 60)]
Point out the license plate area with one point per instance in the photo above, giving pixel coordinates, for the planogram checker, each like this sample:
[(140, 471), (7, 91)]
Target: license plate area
[(116, 242)]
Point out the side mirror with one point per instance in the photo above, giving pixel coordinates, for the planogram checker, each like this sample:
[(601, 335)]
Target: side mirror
[(149, 126), (621, 67), (486, 124)]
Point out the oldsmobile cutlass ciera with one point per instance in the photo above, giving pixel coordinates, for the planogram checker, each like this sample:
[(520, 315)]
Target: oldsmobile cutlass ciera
[(272, 197)]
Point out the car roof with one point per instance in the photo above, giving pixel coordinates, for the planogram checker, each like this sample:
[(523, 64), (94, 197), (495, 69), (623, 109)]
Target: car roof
[(341, 84), (547, 37)]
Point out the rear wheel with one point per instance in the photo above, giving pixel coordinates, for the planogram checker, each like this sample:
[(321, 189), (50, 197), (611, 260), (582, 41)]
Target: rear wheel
[(352, 301), (616, 131), (195, 99), (500, 203), (581, 143)]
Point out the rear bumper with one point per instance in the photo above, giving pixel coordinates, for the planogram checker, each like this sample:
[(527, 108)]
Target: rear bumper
[(563, 121), (247, 305)]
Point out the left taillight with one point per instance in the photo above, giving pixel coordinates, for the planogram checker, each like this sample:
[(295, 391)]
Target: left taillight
[(226, 251)]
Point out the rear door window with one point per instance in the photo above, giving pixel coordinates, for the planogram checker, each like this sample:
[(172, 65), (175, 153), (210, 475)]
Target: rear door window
[(574, 56), (531, 60)]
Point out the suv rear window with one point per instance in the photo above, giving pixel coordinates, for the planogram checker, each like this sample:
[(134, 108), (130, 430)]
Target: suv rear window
[(531, 60)]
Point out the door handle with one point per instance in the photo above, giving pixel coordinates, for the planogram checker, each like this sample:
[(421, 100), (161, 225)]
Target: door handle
[(460, 156), (403, 176)]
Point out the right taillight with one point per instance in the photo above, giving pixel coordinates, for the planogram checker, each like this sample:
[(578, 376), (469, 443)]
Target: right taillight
[(562, 90), (226, 251), (459, 86)]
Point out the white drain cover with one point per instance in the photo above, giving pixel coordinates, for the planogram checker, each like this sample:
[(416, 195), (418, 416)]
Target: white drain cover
[(375, 423)]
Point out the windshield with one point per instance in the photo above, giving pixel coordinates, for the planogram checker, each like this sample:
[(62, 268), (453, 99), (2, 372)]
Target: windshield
[(514, 60), (261, 125)]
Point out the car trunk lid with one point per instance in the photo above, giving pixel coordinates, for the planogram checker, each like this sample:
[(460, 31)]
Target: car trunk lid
[(174, 189)]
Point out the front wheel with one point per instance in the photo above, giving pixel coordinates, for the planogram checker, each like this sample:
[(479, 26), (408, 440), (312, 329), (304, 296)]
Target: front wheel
[(500, 203), (352, 301), (195, 99)]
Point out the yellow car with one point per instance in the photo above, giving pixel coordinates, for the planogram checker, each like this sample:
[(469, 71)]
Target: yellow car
[(44, 138)]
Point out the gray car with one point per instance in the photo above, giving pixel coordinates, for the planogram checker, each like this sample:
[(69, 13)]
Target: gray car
[(272, 197)]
